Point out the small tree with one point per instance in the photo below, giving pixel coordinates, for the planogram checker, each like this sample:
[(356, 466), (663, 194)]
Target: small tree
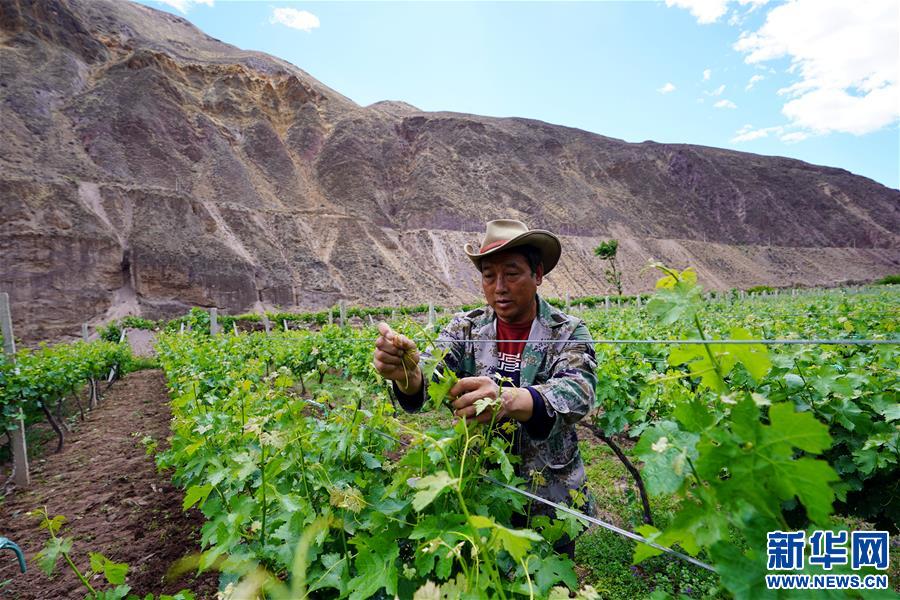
[(607, 251)]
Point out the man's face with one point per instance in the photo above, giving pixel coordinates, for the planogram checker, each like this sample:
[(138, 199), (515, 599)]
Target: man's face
[(509, 285)]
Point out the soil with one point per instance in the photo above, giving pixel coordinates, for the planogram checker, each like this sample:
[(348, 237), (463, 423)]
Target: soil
[(113, 498)]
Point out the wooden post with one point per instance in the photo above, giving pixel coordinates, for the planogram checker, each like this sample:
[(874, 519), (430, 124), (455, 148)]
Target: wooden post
[(638, 299), (431, 317), (213, 321), (266, 324), (567, 302), (330, 316), (606, 302), (284, 324), (84, 331), (342, 307), (234, 326), (17, 434)]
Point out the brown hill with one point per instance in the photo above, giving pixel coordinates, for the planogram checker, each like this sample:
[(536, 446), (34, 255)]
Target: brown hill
[(147, 167)]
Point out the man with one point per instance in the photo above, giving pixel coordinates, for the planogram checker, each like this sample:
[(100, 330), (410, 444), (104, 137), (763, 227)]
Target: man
[(554, 382)]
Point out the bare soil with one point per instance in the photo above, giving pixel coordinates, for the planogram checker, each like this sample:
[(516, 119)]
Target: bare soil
[(115, 501)]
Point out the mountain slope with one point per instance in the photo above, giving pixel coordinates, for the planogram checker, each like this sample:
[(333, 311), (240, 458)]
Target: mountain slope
[(146, 167)]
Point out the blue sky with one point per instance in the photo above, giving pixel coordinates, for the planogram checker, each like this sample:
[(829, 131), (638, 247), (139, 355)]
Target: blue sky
[(824, 77)]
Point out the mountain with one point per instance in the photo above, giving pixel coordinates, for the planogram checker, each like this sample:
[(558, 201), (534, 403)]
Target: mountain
[(146, 167)]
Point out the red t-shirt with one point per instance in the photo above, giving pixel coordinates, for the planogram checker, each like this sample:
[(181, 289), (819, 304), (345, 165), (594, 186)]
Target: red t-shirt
[(510, 353)]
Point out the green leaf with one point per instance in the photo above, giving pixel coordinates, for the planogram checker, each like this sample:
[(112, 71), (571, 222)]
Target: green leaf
[(742, 576), (335, 576), (754, 357), (555, 569), (694, 414), (795, 429), (97, 562), (196, 494), (53, 525), (52, 551), (376, 568), (480, 522), (430, 487), (516, 541), (643, 551), (664, 449), (115, 572)]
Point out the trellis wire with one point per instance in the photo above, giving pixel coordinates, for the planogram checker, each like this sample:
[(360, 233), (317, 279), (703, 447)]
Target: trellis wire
[(789, 342), (604, 524), (562, 507)]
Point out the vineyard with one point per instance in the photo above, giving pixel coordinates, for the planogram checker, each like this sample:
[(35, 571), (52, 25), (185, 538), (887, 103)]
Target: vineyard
[(717, 421)]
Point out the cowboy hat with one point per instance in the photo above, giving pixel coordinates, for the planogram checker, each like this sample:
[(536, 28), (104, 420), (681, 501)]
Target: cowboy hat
[(504, 234)]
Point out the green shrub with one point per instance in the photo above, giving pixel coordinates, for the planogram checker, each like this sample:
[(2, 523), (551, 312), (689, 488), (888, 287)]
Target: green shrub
[(758, 289), (889, 280)]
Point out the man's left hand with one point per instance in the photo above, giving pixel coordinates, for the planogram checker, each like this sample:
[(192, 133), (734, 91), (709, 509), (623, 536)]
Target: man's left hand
[(516, 402)]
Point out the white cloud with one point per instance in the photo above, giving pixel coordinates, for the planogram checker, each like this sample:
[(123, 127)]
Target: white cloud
[(716, 92), (705, 11), (707, 73), (797, 136), (183, 6), (747, 133), (297, 19), (725, 104), (709, 11), (666, 89), (844, 56), (753, 81)]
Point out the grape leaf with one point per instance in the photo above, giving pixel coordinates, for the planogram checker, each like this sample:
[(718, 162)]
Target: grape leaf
[(429, 487)]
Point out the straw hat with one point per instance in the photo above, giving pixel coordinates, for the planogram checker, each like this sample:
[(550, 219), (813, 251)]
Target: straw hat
[(504, 234)]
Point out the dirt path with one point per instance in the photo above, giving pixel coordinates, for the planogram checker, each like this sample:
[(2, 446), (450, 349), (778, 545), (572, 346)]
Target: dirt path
[(115, 501)]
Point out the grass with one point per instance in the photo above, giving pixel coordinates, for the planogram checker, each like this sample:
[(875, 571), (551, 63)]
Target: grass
[(605, 557)]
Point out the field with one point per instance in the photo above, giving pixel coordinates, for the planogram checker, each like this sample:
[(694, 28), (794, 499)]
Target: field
[(310, 481)]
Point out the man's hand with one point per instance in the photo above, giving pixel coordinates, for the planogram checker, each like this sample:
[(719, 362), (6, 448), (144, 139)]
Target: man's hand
[(516, 403), (397, 358)]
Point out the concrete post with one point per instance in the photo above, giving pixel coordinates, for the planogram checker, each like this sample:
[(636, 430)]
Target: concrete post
[(431, 316), (213, 321), (342, 308), (84, 331), (17, 434)]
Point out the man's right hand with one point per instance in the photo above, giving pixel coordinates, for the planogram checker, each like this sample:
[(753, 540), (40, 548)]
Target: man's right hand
[(397, 359)]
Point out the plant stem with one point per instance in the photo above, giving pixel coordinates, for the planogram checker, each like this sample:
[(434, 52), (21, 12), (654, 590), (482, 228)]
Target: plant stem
[(709, 353), (262, 533), (75, 570)]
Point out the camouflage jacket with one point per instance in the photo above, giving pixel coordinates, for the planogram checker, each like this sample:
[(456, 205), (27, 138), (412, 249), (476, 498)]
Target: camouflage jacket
[(563, 374)]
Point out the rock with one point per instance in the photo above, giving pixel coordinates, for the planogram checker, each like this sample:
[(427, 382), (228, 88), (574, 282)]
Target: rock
[(147, 167)]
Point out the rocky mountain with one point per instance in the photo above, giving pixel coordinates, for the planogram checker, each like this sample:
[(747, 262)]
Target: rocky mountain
[(146, 167)]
